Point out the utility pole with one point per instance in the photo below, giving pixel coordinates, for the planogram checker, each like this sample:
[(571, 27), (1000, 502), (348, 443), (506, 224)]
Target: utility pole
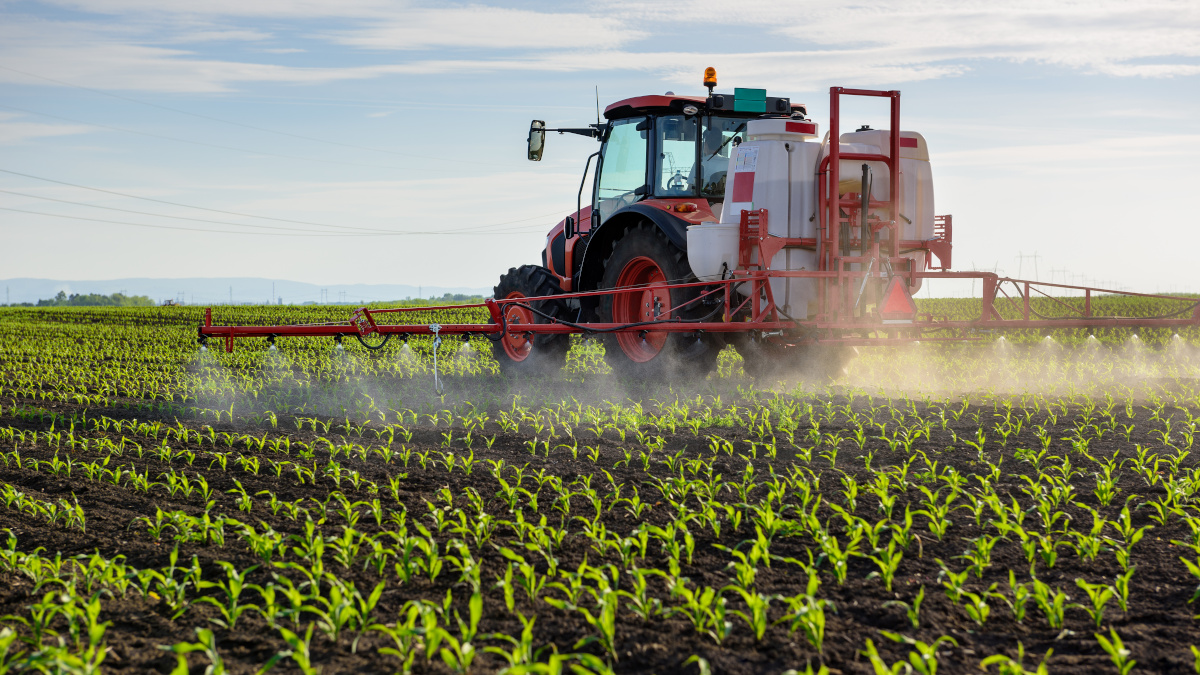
[(1021, 261)]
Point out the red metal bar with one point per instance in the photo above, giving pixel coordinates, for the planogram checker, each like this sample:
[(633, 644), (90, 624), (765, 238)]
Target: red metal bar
[(894, 169), (830, 210)]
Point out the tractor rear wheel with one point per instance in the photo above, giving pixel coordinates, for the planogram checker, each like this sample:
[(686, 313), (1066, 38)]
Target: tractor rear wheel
[(644, 258), (519, 352)]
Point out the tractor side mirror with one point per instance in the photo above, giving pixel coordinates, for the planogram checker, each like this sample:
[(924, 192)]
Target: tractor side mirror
[(537, 140)]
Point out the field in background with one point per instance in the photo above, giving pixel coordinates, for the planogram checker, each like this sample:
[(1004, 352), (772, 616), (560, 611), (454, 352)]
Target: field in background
[(310, 508)]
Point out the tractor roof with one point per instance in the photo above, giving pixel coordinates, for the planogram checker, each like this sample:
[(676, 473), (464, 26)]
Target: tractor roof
[(668, 103)]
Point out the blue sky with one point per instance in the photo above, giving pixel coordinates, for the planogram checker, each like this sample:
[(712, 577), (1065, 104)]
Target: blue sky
[(312, 133)]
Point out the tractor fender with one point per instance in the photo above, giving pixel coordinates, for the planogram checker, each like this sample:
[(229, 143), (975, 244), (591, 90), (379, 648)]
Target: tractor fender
[(600, 242)]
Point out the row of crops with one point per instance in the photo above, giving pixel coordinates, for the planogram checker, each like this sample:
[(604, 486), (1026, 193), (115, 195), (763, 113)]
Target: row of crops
[(1019, 506)]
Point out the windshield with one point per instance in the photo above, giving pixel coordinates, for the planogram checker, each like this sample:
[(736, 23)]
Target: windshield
[(622, 166), (693, 155)]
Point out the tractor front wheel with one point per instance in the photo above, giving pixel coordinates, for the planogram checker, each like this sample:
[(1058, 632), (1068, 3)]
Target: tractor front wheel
[(645, 261), (517, 351)]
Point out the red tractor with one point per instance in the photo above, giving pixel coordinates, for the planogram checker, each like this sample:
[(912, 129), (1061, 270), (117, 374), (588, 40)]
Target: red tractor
[(661, 167)]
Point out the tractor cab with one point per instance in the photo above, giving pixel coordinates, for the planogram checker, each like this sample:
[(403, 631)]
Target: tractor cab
[(662, 158)]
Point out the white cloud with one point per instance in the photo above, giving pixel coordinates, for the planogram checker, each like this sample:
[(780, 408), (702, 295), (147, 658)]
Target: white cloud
[(278, 9), (483, 27), (110, 58), (791, 47), (1113, 37), (222, 35), (1095, 151)]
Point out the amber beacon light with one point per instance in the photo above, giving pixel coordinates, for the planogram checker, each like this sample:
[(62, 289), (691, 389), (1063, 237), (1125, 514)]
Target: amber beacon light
[(710, 78)]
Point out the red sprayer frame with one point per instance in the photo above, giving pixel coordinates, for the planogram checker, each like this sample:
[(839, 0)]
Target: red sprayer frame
[(746, 299)]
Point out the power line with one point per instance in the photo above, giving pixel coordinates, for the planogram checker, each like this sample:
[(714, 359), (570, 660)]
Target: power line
[(248, 215), (227, 147), (366, 231), (146, 213), (223, 121), (260, 234)]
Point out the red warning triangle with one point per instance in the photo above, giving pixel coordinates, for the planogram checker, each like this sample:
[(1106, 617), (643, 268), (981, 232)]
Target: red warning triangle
[(897, 304)]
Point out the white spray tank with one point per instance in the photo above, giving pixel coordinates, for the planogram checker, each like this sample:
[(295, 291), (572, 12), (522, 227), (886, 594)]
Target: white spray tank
[(774, 169), (916, 184)]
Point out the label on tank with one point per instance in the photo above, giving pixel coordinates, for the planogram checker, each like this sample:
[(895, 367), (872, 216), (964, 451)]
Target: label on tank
[(747, 159)]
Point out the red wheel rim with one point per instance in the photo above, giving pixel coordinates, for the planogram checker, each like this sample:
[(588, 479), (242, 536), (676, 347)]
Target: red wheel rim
[(517, 344), (650, 303)]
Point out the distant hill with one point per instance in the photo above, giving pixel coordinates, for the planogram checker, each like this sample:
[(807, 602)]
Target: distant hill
[(221, 291)]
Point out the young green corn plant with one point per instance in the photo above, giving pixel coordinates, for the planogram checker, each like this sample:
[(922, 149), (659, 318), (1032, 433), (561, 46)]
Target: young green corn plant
[(1106, 485), (522, 652), (879, 666), (1116, 651), (206, 644), (528, 578), (639, 599), (757, 606), (976, 605), (923, 658), (953, 582), (1124, 526), (911, 610), (301, 649), (1053, 604), (1194, 569), (1121, 586), (807, 613), (888, 562), (232, 589), (980, 554), (41, 616), (459, 652), (837, 555), (1047, 548), (1010, 666), (604, 622), (705, 609), (1098, 596), (937, 511)]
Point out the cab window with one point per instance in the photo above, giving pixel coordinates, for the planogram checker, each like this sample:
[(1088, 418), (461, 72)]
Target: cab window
[(720, 136), (622, 166), (675, 166)]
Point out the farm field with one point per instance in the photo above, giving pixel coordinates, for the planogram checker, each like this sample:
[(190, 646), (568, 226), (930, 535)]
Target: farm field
[(1025, 505)]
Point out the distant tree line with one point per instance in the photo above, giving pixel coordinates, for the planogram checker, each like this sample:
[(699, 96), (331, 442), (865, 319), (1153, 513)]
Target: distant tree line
[(91, 300)]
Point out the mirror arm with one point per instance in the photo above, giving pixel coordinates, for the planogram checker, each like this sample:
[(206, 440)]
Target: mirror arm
[(569, 227), (591, 131)]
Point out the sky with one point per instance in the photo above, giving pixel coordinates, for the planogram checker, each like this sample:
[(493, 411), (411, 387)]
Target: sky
[(372, 141)]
